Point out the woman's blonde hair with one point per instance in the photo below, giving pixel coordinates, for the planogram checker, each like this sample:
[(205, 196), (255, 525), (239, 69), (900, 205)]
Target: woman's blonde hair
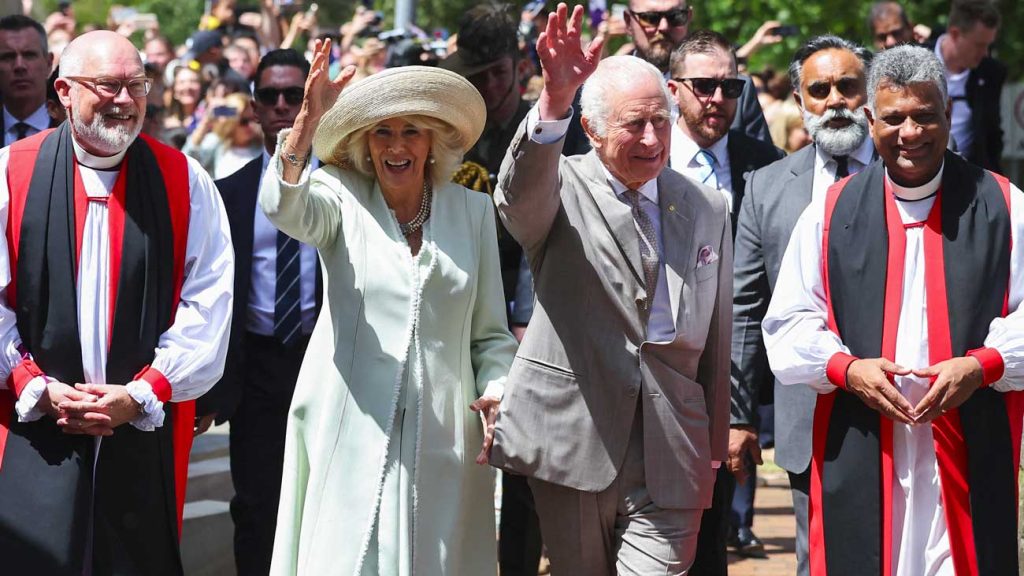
[(445, 149), (226, 126)]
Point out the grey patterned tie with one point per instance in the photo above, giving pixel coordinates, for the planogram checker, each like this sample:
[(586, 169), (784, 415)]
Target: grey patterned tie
[(648, 246)]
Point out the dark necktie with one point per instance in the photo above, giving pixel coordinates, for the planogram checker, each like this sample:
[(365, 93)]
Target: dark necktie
[(287, 312), (20, 131), (842, 167), (648, 246)]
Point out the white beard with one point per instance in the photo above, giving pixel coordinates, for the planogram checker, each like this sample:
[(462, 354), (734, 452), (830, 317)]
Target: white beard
[(837, 141), (107, 139)]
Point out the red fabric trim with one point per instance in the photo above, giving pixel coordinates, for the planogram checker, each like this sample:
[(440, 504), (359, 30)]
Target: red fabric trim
[(992, 366), (161, 387), (894, 276), (816, 552), (20, 164), (950, 449), (6, 412), (81, 211), (831, 197), (183, 417), (174, 166), (115, 227), (836, 368), (22, 374)]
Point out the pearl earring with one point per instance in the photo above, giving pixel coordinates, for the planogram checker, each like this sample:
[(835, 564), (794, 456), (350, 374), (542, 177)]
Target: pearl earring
[(368, 158), (431, 160)]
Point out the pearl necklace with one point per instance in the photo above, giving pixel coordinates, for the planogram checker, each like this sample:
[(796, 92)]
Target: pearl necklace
[(421, 217)]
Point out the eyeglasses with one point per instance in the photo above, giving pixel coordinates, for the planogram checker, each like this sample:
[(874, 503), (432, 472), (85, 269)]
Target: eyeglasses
[(109, 87), (268, 96), (706, 87), (674, 17), (849, 87)]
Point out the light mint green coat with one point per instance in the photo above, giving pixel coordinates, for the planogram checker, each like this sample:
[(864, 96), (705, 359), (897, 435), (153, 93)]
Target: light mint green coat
[(344, 403)]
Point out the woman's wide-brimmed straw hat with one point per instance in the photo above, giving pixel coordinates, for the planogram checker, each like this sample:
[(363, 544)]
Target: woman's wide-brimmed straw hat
[(405, 91)]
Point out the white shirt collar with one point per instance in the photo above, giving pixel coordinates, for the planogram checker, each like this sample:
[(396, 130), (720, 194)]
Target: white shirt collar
[(649, 189), (96, 162), (690, 149), (917, 192), (40, 119)]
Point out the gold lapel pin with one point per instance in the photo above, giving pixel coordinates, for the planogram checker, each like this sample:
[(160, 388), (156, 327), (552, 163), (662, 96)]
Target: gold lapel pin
[(671, 207)]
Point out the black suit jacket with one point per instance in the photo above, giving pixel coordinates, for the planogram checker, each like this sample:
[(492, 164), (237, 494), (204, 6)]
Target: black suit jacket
[(240, 192), (746, 154), (3, 129), (984, 88)]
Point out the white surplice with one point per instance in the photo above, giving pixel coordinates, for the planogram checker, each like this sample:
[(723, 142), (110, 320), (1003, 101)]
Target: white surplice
[(799, 346), (191, 353)]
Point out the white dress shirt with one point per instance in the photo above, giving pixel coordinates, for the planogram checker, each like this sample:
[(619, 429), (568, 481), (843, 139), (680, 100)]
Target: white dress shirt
[(825, 166), (683, 159), (190, 354), (799, 345), (960, 124), (263, 284), (37, 122)]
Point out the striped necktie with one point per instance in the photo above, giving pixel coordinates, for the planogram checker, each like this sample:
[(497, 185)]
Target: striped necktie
[(648, 246), (706, 172), (287, 312)]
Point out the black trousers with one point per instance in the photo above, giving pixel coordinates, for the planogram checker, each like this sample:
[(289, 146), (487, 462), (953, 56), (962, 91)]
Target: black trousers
[(257, 447), (519, 542), (712, 558)]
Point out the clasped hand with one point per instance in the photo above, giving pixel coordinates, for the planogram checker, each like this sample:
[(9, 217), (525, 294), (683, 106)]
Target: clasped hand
[(953, 382), (91, 409)]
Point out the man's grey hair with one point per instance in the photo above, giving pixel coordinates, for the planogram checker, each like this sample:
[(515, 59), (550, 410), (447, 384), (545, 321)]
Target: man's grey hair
[(615, 74), (905, 65), (824, 42)]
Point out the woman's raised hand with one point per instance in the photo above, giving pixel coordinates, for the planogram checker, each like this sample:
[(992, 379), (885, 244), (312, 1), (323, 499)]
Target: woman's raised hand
[(320, 94)]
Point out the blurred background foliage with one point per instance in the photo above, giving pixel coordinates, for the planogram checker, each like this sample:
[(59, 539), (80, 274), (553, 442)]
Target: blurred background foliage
[(737, 20)]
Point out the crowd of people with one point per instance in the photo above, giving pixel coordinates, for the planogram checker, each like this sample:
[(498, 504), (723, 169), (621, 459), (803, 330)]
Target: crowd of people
[(393, 261)]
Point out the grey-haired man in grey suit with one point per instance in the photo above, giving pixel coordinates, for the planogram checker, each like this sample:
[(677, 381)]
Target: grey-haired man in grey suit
[(828, 75), (617, 404)]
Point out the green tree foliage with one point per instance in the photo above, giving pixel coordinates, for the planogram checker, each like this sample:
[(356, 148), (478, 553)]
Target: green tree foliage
[(736, 19)]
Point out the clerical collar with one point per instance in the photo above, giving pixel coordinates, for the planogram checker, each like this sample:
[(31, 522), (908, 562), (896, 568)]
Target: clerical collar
[(917, 192), (97, 162)]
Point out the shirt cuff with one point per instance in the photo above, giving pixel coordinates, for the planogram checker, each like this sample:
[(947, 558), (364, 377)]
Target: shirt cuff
[(27, 406), (495, 389), (546, 131), (836, 368), (152, 416), (26, 371), (157, 382), (991, 364)]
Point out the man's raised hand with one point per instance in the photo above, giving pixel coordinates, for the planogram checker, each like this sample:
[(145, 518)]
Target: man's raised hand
[(564, 61)]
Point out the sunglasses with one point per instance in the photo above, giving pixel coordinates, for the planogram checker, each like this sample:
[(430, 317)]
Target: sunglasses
[(706, 87), (849, 87), (674, 17), (268, 96)]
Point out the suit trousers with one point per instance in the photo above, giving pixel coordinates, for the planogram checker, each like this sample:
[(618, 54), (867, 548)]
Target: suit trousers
[(519, 542), (618, 530), (800, 485), (257, 447)]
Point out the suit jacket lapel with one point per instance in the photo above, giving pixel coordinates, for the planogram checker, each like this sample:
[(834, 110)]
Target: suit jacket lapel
[(677, 216), (617, 215)]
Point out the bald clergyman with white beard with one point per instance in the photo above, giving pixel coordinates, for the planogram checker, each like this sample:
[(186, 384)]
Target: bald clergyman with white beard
[(829, 74)]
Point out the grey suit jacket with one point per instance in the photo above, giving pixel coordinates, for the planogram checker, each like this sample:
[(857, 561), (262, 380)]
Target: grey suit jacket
[(775, 197), (573, 389)]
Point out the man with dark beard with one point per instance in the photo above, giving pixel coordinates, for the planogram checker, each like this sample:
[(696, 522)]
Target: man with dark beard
[(829, 75), (116, 273), (658, 27), (705, 87)]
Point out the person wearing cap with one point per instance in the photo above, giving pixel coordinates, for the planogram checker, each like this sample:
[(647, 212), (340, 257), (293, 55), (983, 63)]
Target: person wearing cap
[(383, 447)]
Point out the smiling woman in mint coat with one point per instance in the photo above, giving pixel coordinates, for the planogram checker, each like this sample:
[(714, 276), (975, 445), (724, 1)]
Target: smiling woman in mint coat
[(382, 470)]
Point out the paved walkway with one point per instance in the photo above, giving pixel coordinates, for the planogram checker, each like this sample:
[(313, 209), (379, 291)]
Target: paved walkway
[(775, 525)]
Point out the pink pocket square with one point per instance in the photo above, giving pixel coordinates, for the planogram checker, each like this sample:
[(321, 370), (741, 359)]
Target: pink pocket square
[(706, 256)]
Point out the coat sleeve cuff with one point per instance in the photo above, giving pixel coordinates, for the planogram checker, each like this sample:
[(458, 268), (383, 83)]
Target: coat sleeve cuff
[(836, 368), (991, 364), (161, 387), (23, 373)]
